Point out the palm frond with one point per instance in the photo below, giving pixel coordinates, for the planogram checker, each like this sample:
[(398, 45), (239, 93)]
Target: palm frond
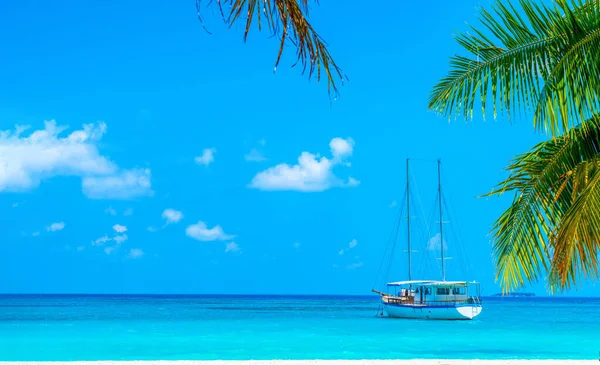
[(546, 60), (286, 19), (544, 184), (577, 243)]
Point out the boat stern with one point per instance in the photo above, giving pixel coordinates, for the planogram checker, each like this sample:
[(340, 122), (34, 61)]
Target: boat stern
[(469, 311)]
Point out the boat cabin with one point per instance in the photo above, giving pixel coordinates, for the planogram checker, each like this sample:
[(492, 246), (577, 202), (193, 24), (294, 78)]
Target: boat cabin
[(423, 292)]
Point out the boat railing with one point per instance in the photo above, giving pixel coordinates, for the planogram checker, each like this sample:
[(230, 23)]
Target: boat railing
[(411, 301)]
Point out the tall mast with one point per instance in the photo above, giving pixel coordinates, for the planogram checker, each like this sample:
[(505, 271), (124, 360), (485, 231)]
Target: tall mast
[(408, 217), (441, 223)]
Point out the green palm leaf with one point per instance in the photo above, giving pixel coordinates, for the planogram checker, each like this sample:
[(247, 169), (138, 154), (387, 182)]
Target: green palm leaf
[(545, 59), (577, 242), (530, 238), (286, 19)]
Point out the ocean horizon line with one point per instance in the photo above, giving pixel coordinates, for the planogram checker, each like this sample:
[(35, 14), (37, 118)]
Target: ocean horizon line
[(267, 295)]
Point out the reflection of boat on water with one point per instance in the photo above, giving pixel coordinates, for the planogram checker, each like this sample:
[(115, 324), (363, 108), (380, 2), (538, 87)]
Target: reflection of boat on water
[(430, 299)]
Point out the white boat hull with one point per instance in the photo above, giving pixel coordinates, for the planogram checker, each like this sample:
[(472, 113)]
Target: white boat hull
[(450, 312)]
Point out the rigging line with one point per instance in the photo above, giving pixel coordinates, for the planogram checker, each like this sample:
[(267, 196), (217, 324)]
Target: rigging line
[(425, 243), (390, 240), (419, 196), (390, 243), (460, 235), (458, 246), (436, 210), (395, 239), (460, 249), (422, 240), (416, 188), (450, 214), (422, 237)]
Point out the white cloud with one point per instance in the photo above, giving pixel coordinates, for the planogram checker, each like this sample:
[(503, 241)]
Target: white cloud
[(15, 205), (120, 238), (434, 243), (126, 184), (255, 156), (109, 250), (59, 226), (297, 244), (152, 229), (35, 234), (119, 228), (110, 211), (341, 148), (351, 245), (207, 157), (172, 216), (232, 247), (135, 253), (312, 173), (80, 248), (393, 204), (352, 182), (201, 232), (128, 212), (355, 265), (101, 241), (44, 153)]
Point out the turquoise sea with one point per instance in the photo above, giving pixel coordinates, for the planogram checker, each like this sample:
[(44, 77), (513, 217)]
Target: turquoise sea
[(110, 327)]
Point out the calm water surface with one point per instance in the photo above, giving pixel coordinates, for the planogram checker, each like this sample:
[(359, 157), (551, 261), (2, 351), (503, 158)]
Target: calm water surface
[(266, 327)]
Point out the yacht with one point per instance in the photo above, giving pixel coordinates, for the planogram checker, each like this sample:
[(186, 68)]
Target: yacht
[(429, 299)]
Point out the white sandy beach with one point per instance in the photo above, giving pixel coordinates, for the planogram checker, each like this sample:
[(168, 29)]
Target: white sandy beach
[(316, 362)]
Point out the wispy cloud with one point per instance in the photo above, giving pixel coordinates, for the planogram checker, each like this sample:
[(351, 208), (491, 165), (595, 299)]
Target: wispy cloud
[(152, 229), (393, 204), (172, 216), (255, 156), (355, 265), (207, 157), (201, 232), (312, 173), (232, 247), (118, 238), (126, 184), (135, 253), (297, 245), (101, 241), (434, 243), (44, 153), (351, 245), (15, 205), (110, 211), (59, 226), (119, 228), (35, 234)]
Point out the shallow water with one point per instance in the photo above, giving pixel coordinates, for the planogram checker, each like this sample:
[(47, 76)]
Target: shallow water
[(270, 327)]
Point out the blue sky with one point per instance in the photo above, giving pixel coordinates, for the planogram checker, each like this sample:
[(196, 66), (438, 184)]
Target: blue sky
[(179, 162)]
